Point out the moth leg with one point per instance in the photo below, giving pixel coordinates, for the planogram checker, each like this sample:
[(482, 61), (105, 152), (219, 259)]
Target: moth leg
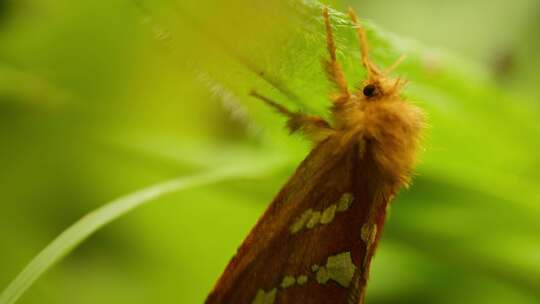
[(332, 67), (364, 47), (312, 127)]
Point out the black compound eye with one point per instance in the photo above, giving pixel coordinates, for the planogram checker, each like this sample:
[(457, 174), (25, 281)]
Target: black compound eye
[(370, 90)]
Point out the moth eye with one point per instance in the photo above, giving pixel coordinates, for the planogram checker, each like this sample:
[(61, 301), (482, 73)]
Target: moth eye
[(370, 90)]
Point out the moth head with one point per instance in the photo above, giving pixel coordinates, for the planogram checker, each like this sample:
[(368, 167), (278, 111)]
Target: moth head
[(381, 88), (379, 85)]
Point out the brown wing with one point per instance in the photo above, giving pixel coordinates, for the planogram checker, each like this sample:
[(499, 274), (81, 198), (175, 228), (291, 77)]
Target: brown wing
[(310, 246)]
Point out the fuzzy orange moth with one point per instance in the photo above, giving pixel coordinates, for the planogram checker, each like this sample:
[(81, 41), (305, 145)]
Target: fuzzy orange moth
[(315, 242)]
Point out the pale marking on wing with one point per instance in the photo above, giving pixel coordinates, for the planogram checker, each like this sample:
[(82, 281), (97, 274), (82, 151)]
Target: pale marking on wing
[(345, 202), (328, 214), (301, 280), (288, 281), (263, 297), (314, 220), (301, 222), (311, 218), (322, 275), (368, 233), (339, 268)]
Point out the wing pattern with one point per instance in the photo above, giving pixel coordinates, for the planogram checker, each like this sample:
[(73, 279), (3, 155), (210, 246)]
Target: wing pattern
[(313, 243)]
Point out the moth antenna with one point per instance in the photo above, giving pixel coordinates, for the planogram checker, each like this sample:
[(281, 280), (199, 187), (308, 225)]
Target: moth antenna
[(364, 47), (330, 43), (392, 67), (398, 84), (332, 66)]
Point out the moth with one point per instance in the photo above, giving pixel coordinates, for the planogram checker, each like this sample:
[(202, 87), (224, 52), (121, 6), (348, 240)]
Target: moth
[(315, 242)]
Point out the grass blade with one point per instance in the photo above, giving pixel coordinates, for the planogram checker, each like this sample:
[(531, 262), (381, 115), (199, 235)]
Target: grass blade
[(90, 223)]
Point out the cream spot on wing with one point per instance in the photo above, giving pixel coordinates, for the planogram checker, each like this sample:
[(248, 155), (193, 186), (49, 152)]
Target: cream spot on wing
[(301, 280), (265, 297), (339, 268), (368, 233), (271, 297), (328, 214), (322, 275), (345, 202), (288, 281), (259, 297), (301, 221), (314, 220), (311, 218)]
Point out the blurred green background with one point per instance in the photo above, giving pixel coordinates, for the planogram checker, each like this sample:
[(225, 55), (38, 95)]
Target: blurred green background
[(102, 98)]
